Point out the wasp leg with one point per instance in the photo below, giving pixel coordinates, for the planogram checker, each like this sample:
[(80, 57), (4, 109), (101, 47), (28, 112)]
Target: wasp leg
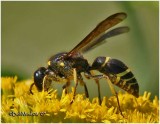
[(43, 83), (30, 89), (96, 78), (99, 91), (84, 84), (65, 86), (76, 82), (114, 92), (78, 77)]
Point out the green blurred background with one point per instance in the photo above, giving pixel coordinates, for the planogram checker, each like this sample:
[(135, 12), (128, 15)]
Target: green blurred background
[(34, 31)]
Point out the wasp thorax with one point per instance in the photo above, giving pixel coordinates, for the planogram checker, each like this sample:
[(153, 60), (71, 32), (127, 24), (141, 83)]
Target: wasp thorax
[(61, 66), (57, 59)]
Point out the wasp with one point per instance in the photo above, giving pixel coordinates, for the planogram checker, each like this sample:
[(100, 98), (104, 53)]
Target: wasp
[(68, 66)]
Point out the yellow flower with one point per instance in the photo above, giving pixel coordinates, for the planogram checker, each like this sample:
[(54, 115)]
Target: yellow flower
[(18, 105)]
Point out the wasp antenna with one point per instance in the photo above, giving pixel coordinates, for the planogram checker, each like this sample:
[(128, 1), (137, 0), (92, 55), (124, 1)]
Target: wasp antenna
[(30, 89)]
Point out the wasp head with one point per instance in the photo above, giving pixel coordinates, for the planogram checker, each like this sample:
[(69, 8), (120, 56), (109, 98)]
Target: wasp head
[(39, 75)]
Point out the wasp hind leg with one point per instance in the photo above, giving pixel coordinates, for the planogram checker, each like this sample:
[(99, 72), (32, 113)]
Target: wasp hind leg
[(111, 88), (114, 92), (97, 78)]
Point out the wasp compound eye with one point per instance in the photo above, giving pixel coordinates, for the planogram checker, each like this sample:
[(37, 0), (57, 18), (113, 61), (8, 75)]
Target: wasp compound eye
[(39, 75)]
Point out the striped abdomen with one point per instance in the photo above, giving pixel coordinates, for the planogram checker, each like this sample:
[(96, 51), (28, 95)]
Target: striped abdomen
[(118, 73)]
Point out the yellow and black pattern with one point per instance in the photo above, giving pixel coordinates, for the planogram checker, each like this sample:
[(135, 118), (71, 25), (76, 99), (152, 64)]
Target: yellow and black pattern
[(118, 73)]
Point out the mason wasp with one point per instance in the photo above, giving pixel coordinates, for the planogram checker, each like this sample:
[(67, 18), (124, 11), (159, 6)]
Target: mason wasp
[(67, 66)]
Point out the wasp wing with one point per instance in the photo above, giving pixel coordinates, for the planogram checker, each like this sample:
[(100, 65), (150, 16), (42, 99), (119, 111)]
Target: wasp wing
[(102, 39), (99, 30)]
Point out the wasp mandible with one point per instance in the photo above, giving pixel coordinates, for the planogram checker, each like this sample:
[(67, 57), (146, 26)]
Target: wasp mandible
[(63, 66)]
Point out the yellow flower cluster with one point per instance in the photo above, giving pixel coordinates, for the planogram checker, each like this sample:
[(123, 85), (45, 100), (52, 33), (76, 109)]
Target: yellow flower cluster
[(18, 105)]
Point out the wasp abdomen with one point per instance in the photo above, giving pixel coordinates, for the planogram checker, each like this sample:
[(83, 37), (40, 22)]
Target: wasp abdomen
[(118, 73)]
